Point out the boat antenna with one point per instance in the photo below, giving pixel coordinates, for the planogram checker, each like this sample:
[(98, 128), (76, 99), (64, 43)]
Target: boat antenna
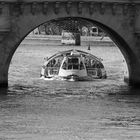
[(88, 46), (88, 38)]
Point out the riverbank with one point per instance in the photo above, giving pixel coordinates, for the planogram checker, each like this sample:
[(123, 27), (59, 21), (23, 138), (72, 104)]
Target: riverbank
[(54, 39)]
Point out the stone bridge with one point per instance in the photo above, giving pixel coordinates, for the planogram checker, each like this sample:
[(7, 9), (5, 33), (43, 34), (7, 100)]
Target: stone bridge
[(119, 18)]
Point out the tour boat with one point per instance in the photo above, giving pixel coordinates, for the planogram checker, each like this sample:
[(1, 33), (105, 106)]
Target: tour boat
[(73, 65)]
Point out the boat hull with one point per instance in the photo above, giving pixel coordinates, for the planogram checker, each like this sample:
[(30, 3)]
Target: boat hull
[(79, 73)]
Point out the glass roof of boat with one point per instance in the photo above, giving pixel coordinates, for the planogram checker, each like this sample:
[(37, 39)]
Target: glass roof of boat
[(74, 52)]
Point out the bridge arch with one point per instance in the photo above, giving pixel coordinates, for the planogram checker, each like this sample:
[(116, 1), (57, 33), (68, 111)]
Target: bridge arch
[(21, 26), (116, 38)]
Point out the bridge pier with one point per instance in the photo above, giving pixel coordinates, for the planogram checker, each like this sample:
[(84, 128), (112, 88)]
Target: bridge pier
[(3, 81), (3, 72), (133, 76)]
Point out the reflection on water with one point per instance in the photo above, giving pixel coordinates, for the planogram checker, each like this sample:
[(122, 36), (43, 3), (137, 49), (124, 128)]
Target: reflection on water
[(29, 112), (34, 109)]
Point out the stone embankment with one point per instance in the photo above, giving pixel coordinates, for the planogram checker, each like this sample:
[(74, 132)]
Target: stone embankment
[(53, 39)]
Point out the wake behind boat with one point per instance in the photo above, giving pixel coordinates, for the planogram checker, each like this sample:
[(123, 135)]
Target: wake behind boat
[(73, 65)]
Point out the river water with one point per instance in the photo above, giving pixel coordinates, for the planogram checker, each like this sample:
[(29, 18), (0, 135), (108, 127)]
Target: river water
[(34, 109)]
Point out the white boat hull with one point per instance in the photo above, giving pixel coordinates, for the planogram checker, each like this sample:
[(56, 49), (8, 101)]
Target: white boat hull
[(65, 73)]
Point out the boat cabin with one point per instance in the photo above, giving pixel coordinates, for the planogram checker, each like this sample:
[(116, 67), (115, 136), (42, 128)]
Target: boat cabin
[(73, 63)]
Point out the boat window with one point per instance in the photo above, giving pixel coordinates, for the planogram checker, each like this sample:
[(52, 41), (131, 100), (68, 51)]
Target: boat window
[(88, 62), (51, 63), (93, 64), (56, 62), (73, 63), (101, 66), (81, 65), (76, 66), (70, 67), (64, 65), (98, 65), (52, 68), (73, 60)]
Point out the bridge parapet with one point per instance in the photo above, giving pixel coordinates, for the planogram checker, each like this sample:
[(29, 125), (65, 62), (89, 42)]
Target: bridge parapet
[(18, 7), (115, 5), (118, 1)]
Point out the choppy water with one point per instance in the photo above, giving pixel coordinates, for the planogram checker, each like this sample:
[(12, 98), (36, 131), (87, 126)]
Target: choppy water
[(34, 109)]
